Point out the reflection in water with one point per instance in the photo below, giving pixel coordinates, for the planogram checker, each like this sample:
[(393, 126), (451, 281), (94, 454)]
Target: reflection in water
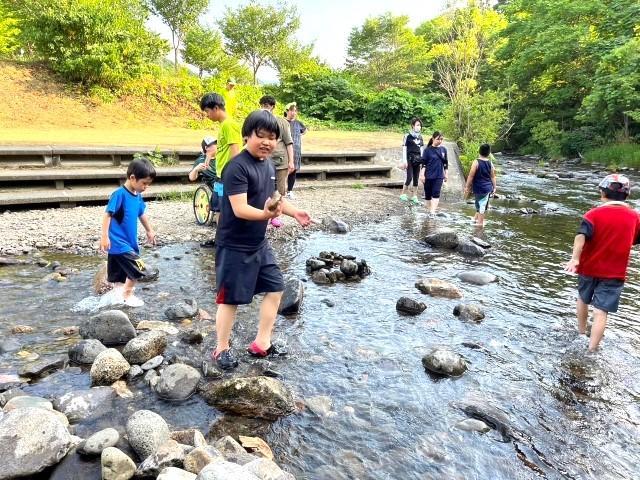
[(566, 415)]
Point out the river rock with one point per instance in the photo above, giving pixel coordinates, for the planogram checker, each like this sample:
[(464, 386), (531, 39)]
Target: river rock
[(8, 345), (334, 225), (409, 306), (444, 362), (146, 431), (200, 457), (233, 451), (173, 473), (111, 327), (181, 310), (259, 397), (43, 367), (8, 261), (116, 465), (469, 312), (145, 346), (134, 372), (473, 425), (477, 277), (349, 268), (191, 437), (151, 378), (27, 401), (165, 327), (292, 297), (225, 471), (480, 242), (470, 249), (150, 274), (21, 329), (96, 443), (155, 362), (320, 405), (314, 264), (31, 439), (177, 382), (438, 288), (191, 337), (85, 351), (83, 405), (320, 278), (169, 454), (491, 415), (108, 367), (443, 239), (9, 381), (266, 469)]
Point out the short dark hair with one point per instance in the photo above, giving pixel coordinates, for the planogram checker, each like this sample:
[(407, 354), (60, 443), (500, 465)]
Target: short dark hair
[(415, 120), (268, 100), (212, 100), (485, 150), (260, 120), (141, 168), (614, 193)]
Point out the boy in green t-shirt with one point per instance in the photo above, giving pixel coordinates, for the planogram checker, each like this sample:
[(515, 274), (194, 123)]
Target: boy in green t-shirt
[(229, 137)]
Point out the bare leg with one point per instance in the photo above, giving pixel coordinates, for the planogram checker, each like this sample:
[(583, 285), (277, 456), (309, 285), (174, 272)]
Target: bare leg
[(582, 311), (427, 205), (225, 316), (480, 219), (268, 312), (434, 205), (128, 288), (597, 329)]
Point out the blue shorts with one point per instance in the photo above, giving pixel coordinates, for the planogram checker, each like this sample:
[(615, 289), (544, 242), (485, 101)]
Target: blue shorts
[(214, 204), (602, 293), (241, 275), (482, 202), (432, 188)]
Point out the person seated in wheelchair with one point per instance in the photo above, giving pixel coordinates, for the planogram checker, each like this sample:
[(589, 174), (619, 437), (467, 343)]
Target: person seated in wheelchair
[(204, 169)]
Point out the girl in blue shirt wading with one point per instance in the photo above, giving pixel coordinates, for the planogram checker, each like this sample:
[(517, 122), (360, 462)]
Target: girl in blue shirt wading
[(482, 181), (435, 166)]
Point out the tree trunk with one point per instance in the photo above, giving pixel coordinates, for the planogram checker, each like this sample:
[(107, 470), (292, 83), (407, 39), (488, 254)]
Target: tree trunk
[(175, 51), (626, 126)]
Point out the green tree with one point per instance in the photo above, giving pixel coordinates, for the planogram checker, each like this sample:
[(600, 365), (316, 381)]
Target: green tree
[(8, 31), (100, 42), (385, 52), (180, 16), (203, 49), (260, 34)]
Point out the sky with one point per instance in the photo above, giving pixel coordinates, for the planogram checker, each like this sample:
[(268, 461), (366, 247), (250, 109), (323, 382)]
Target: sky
[(326, 23)]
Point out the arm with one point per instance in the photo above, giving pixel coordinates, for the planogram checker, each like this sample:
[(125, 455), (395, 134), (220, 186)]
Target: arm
[(291, 158), (404, 163), (472, 173), (243, 210), (234, 149), (105, 243), (151, 235), (494, 179), (445, 165), (195, 171), (578, 245), (301, 216)]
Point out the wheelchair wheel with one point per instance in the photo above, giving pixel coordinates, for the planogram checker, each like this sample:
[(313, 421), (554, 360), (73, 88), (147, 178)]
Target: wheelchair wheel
[(202, 205)]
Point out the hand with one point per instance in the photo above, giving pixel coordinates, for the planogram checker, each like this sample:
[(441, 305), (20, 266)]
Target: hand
[(105, 244), (292, 167), (572, 266), (151, 237), (201, 166), (303, 218), (403, 166), (272, 213), (446, 177)]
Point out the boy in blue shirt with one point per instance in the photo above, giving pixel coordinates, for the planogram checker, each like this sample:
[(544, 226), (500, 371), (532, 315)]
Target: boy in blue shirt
[(245, 264), (120, 231)]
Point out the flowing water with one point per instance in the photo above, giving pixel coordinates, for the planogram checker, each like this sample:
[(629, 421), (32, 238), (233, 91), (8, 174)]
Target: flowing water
[(570, 415)]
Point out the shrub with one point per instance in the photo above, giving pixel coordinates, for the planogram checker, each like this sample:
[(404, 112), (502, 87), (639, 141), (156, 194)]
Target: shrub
[(549, 138)]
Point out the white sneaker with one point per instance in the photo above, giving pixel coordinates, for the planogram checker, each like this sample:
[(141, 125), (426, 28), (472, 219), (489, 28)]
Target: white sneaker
[(290, 196), (133, 301)]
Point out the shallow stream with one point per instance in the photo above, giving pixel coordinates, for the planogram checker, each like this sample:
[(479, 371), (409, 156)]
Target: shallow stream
[(574, 415)]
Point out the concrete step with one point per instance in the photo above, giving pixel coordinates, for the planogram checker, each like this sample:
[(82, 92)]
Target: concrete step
[(68, 197)]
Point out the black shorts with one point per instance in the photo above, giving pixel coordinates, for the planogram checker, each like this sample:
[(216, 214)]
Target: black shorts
[(602, 293), (432, 188), (124, 265), (241, 275)]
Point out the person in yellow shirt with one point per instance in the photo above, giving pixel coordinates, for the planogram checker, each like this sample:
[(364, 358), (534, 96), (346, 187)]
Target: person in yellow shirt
[(230, 99)]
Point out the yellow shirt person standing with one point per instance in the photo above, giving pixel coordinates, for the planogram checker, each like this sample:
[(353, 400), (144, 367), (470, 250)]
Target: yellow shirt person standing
[(230, 99)]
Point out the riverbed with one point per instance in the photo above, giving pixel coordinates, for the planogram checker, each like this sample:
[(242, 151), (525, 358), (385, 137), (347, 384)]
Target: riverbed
[(375, 413)]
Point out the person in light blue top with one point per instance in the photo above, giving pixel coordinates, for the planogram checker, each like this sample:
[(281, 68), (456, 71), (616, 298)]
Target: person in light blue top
[(482, 181), (119, 237)]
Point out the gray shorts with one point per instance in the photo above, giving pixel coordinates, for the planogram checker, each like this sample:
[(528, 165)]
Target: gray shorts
[(602, 293)]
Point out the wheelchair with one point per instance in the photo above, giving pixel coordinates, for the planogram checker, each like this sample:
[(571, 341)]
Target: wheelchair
[(202, 204)]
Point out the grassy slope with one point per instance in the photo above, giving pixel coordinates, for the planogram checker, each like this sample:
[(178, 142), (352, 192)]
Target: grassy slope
[(37, 109)]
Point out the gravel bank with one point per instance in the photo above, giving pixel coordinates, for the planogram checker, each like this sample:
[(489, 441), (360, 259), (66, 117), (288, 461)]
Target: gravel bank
[(77, 230)]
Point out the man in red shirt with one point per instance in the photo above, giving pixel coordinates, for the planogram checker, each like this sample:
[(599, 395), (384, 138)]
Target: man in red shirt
[(601, 253)]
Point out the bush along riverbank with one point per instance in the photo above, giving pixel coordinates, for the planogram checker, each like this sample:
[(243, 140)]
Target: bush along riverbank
[(615, 156)]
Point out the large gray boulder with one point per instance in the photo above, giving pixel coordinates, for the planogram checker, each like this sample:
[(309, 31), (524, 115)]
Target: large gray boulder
[(470, 249), (477, 277), (27, 401), (225, 471), (177, 382), (31, 439), (469, 312), (169, 454), (443, 239), (96, 443), (80, 405), (116, 465), (111, 327), (181, 310), (43, 366), (444, 362), (335, 225), (108, 367), (438, 288), (200, 457), (292, 297), (408, 306), (259, 397), (172, 473), (146, 431), (85, 351), (233, 452), (145, 346), (266, 469)]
